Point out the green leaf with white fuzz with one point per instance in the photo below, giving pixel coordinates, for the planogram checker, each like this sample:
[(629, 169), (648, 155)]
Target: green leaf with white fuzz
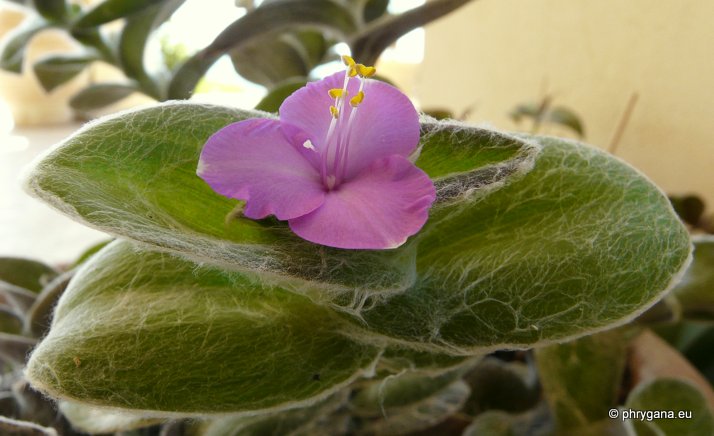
[(150, 332), (134, 175), (531, 241), (580, 243)]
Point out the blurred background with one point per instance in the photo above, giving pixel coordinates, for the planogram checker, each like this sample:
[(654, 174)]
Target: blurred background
[(635, 78)]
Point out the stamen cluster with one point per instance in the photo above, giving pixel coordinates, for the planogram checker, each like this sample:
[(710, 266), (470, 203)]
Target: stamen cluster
[(334, 160)]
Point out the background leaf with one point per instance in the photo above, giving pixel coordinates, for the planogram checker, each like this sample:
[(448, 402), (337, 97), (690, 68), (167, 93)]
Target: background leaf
[(695, 293), (51, 9), (276, 96), (581, 379), (110, 10), (133, 40), (371, 41), (531, 241), (268, 18), (55, 70), (580, 243), (12, 52), (565, 117), (97, 96), (271, 59), (25, 273), (673, 395)]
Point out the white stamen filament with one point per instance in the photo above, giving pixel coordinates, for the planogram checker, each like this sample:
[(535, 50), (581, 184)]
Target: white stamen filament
[(339, 133), (348, 129), (339, 103)]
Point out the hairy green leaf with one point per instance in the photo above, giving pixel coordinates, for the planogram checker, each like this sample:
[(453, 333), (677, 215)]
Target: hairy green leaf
[(531, 240), (150, 332), (580, 243), (134, 176), (100, 95), (55, 70)]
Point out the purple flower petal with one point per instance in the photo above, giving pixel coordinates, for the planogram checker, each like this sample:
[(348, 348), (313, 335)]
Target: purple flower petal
[(380, 208), (385, 124), (251, 160)]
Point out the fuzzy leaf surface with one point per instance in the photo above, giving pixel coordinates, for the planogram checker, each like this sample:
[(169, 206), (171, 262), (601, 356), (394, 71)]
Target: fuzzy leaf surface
[(148, 331), (532, 240), (580, 243), (135, 175)]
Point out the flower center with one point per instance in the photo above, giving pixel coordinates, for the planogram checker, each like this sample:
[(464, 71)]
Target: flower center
[(336, 152)]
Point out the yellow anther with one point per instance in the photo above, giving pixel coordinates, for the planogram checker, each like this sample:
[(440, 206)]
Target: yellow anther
[(357, 99), (366, 71), (347, 60), (336, 92), (335, 113), (352, 70)]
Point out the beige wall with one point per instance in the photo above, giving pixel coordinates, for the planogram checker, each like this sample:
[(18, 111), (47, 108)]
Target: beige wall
[(591, 55)]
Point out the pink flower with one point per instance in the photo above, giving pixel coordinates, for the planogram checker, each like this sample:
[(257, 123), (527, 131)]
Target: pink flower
[(335, 165)]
